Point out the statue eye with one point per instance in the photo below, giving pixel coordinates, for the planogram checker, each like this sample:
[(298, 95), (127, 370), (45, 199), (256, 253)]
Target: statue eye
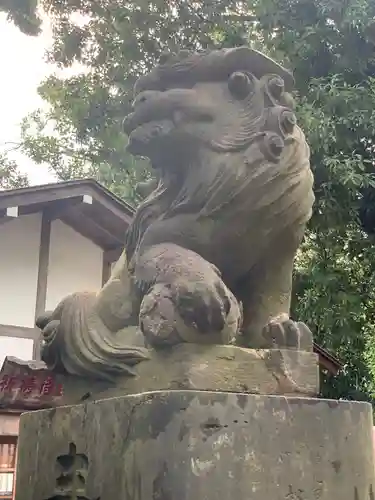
[(240, 85)]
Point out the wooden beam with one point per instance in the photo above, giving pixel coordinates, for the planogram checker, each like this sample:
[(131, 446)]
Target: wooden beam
[(81, 214), (85, 225), (57, 209), (45, 194), (106, 210), (22, 332), (114, 254), (9, 214), (114, 209), (41, 291), (51, 193)]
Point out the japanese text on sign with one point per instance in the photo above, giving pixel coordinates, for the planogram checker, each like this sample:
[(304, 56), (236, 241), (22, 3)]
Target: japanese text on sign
[(30, 385)]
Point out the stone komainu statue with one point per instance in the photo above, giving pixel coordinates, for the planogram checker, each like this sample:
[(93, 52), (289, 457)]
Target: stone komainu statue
[(208, 257)]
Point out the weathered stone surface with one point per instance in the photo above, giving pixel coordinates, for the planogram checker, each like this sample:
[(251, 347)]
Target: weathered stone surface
[(224, 368), (198, 445), (185, 366)]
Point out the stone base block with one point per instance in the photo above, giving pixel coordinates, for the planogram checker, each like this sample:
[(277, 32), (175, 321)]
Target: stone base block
[(186, 366), (188, 445), (223, 368)]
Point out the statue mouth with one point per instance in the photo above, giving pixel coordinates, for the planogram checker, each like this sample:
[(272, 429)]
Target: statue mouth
[(138, 119), (147, 125), (144, 139), (163, 115), (154, 107)]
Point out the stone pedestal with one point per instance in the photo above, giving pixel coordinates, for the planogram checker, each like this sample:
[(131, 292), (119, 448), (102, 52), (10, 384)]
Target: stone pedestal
[(182, 367), (193, 445)]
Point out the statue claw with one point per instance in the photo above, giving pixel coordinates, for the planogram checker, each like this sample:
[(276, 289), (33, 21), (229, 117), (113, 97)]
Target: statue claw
[(284, 333)]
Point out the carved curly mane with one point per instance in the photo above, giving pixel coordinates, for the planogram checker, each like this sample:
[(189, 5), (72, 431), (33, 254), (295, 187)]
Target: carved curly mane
[(263, 195), (253, 179)]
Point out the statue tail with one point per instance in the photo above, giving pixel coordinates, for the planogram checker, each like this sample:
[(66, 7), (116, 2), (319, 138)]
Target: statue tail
[(80, 344)]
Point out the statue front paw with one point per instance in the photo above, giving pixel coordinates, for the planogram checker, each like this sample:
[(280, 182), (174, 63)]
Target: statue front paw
[(203, 313), (184, 298), (281, 332)]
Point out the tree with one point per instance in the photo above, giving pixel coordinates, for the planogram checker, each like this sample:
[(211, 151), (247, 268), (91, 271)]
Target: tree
[(10, 177), (329, 45), (81, 133), (24, 15)]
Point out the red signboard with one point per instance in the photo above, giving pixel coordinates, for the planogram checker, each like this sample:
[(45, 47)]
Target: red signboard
[(28, 385)]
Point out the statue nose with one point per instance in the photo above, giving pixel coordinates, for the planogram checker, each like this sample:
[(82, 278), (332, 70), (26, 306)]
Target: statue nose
[(144, 96)]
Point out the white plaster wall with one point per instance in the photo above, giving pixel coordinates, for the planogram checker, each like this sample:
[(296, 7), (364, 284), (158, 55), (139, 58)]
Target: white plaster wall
[(9, 424), (75, 264), (19, 260)]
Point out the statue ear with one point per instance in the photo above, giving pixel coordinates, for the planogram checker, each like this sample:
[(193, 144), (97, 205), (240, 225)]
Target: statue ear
[(240, 85)]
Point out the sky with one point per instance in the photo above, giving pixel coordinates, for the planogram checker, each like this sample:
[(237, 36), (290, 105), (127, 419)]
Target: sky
[(23, 67)]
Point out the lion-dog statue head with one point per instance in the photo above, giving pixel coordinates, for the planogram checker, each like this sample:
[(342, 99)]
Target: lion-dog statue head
[(220, 130)]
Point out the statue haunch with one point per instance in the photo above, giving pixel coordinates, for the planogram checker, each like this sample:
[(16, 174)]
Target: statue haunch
[(208, 257)]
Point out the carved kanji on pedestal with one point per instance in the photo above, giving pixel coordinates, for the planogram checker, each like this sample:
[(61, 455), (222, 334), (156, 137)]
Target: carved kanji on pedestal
[(71, 480)]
